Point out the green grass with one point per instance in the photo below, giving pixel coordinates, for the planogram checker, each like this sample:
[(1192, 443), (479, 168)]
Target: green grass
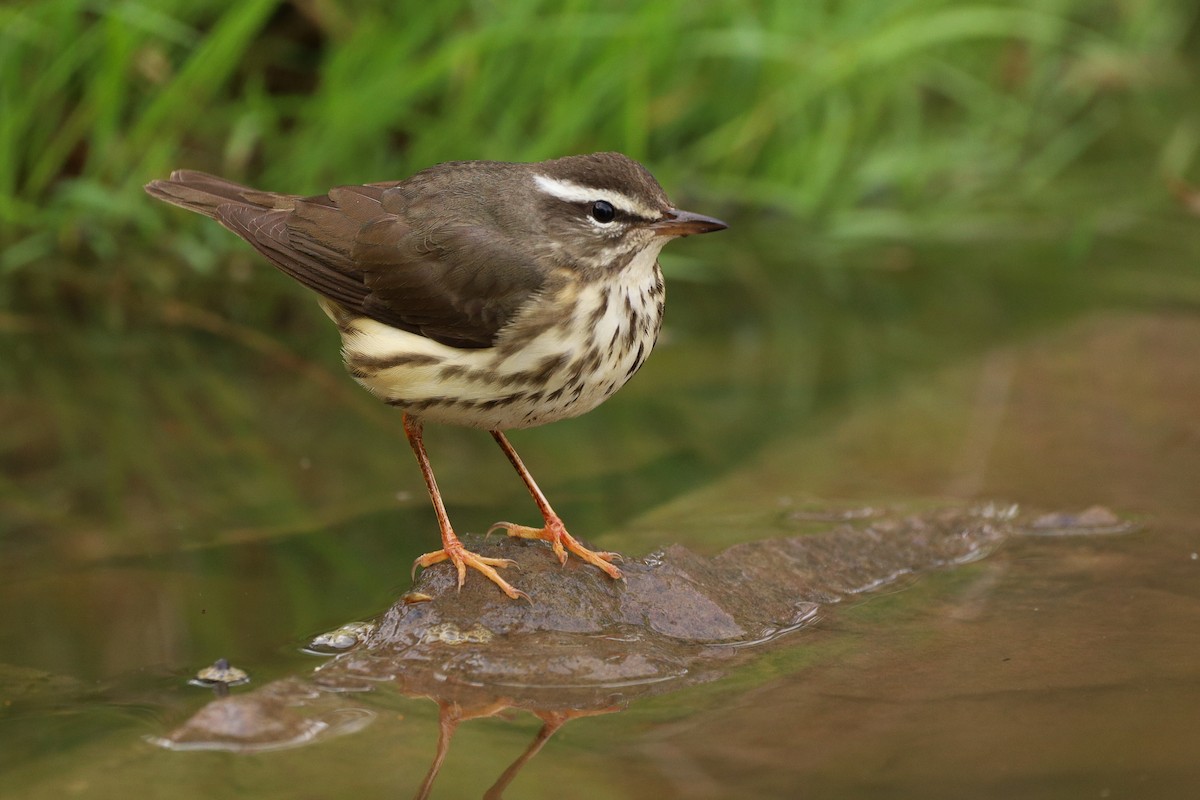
[(849, 122)]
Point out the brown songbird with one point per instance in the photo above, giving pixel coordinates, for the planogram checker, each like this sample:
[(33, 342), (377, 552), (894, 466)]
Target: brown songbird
[(477, 293)]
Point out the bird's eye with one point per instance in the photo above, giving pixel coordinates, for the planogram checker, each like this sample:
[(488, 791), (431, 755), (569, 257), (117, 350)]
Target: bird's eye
[(603, 211)]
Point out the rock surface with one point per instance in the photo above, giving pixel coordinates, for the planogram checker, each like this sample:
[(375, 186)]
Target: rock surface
[(586, 643)]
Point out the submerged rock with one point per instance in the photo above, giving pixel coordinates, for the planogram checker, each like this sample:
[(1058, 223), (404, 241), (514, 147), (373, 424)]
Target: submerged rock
[(585, 643)]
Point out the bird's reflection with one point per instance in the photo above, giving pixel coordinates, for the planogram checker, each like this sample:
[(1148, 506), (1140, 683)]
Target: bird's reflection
[(451, 714)]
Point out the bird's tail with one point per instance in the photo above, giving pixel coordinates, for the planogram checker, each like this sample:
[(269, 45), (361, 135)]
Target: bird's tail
[(205, 194)]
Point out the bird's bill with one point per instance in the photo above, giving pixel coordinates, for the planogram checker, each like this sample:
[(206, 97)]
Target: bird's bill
[(685, 223)]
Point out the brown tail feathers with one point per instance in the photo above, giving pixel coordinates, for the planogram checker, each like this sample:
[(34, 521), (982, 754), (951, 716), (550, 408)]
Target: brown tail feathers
[(205, 194)]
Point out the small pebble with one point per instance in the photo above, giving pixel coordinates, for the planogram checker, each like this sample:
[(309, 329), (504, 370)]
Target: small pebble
[(343, 638), (449, 633), (220, 673)]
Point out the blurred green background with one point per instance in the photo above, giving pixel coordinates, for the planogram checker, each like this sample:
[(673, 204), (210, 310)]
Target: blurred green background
[(840, 125)]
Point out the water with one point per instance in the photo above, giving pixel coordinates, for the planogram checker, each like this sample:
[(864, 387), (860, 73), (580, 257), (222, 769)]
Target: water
[(189, 488)]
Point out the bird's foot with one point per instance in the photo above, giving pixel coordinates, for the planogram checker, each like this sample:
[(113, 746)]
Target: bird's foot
[(556, 534), (454, 552)]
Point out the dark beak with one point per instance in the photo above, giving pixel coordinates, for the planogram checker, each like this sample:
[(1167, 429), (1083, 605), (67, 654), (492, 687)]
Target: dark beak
[(685, 223)]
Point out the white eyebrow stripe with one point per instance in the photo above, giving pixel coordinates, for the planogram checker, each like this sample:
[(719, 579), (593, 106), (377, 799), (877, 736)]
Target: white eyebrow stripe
[(578, 193)]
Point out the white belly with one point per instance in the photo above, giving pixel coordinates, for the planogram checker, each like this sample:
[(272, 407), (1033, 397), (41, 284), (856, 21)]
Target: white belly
[(541, 368)]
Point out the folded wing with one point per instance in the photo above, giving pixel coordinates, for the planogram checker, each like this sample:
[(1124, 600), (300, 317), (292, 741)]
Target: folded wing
[(447, 280)]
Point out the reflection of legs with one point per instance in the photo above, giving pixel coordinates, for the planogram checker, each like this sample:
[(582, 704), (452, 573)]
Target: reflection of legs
[(552, 721), (450, 714), (554, 531), (452, 549)]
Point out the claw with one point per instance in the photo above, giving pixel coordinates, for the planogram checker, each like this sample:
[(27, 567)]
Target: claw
[(497, 526), (462, 558), (556, 534)]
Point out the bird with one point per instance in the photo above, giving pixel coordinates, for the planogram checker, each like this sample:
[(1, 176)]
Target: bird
[(484, 294)]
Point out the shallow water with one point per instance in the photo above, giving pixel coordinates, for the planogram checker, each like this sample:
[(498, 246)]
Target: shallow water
[(191, 489)]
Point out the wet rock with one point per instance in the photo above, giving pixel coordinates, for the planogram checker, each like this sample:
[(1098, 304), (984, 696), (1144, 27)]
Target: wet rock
[(1096, 519), (586, 643), (343, 637), (278, 715), (221, 673)]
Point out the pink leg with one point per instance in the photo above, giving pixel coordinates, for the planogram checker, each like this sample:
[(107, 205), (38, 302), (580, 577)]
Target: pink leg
[(554, 531), (452, 549)]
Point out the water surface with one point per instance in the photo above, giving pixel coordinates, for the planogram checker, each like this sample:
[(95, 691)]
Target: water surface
[(188, 488)]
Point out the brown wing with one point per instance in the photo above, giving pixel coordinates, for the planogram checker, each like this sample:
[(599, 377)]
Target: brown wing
[(452, 283)]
